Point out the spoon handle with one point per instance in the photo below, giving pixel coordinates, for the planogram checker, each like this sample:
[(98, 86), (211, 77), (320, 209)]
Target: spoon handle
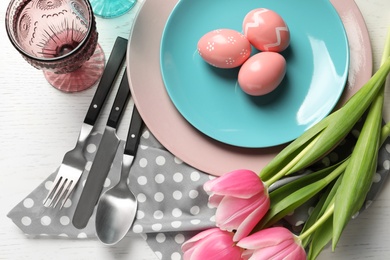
[(133, 136)]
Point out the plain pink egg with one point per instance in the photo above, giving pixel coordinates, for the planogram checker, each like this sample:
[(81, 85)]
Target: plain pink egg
[(224, 48), (266, 30), (262, 73)]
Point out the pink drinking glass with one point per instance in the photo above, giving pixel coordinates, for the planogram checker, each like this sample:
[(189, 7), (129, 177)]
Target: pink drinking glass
[(58, 37)]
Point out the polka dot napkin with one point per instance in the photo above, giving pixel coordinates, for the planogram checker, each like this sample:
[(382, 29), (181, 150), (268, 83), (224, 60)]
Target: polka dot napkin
[(172, 203)]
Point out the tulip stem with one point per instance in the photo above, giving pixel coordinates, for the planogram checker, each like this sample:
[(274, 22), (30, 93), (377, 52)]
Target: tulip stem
[(386, 52), (328, 213), (385, 133), (291, 164)]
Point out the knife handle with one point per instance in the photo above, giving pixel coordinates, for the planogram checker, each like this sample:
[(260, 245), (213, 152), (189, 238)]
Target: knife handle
[(134, 133), (120, 102), (110, 72)]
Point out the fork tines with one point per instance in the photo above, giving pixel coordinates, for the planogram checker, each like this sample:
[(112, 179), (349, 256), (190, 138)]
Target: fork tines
[(60, 191)]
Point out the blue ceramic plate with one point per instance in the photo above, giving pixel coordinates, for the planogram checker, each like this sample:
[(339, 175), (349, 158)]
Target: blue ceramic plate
[(210, 98)]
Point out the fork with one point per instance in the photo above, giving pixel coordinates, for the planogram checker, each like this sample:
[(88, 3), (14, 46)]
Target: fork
[(74, 160)]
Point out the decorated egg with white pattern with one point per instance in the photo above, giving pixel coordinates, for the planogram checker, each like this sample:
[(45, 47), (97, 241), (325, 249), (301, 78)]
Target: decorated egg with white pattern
[(224, 48), (266, 30)]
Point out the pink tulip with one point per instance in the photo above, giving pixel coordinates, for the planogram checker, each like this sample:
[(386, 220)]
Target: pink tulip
[(272, 243), (241, 199), (212, 244)]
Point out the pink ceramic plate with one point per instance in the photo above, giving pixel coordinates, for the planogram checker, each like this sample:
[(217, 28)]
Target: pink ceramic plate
[(174, 132)]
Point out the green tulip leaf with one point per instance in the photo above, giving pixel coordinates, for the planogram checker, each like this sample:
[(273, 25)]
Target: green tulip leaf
[(320, 208), (358, 175)]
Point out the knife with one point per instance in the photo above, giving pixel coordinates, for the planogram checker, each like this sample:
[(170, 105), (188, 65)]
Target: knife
[(103, 159)]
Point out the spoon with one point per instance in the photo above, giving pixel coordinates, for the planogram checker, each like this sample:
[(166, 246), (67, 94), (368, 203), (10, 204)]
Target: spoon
[(117, 207)]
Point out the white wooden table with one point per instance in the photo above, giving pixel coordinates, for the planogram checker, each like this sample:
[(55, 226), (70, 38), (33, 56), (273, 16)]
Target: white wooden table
[(38, 124)]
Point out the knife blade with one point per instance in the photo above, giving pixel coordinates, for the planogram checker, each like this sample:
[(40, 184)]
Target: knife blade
[(103, 159)]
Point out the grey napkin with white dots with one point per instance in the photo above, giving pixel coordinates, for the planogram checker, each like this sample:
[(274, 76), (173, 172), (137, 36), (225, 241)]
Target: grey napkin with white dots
[(172, 203)]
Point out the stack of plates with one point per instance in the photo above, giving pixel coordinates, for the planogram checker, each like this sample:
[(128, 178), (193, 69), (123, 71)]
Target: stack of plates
[(200, 114)]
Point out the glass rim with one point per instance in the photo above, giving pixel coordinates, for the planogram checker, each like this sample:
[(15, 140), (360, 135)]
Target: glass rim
[(91, 27)]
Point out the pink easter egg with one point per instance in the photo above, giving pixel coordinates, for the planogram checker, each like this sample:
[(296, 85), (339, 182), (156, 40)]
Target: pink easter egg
[(262, 73), (266, 30), (224, 48)]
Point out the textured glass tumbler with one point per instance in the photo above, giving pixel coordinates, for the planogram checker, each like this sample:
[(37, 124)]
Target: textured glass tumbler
[(111, 8), (58, 37)]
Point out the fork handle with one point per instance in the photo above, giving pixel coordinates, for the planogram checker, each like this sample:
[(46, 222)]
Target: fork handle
[(105, 85)]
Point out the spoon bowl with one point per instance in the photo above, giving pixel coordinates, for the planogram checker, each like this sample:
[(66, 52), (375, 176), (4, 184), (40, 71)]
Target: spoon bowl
[(116, 210)]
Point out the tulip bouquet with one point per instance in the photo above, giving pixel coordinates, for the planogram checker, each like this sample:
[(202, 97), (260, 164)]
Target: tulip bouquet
[(247, 213)]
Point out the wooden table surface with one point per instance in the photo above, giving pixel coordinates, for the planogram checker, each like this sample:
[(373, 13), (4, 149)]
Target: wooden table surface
[(38, 124)]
